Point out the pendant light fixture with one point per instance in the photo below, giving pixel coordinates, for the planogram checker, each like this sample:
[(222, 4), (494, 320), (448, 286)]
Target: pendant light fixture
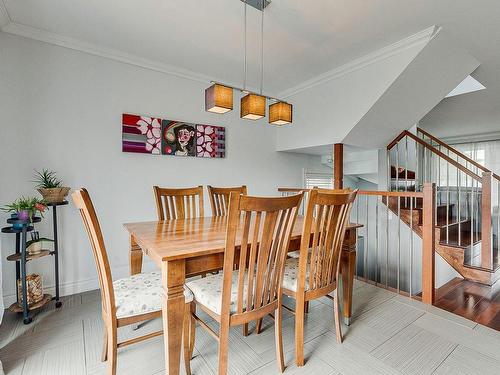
[(252, 106), (280, 113), (219, 97)]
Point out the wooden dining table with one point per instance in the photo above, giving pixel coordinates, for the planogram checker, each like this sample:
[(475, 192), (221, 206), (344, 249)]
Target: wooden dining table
[(190, 247)]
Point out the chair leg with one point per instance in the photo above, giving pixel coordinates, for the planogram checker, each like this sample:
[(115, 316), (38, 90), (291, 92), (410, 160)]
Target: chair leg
[(338, 329), (258, 326), (279, 338), (193, 329), (112, 350), (245, 329), (299, 331), (306, 308), (223, 347), (186, 339), (104, 355)]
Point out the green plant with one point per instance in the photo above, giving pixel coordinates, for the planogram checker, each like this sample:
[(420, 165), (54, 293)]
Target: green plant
[(47, 179), (30, 204)]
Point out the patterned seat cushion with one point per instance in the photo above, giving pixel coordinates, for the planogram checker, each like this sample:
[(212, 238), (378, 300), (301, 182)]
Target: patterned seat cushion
[(291, 274), (140, 294), (208, 291)]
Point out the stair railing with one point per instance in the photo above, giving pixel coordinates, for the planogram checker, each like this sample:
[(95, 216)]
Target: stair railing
[(463, 196), (396, 245), (492, 231)]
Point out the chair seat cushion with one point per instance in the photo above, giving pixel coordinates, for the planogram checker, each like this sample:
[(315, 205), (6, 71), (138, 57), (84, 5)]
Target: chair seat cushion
[(140, 294), (207, 291), (291, 274), (296, 254)]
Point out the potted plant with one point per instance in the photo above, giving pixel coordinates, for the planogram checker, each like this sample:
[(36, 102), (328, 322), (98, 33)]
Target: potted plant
[(25, 208), (50, 187), (35, 245)]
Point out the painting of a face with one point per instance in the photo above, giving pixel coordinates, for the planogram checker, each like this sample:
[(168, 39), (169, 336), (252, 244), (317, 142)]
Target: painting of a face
[(178, 138)]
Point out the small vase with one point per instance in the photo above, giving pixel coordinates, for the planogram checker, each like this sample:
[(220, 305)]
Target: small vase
[(23, 215)]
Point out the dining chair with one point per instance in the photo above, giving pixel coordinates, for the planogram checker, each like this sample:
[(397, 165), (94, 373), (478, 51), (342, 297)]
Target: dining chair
[(178, 203), (315, 273), (261, 228), (219, 198), (130, 300)]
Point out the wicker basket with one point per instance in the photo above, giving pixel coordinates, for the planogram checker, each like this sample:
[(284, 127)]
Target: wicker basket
[(54, 195), (34, 289)]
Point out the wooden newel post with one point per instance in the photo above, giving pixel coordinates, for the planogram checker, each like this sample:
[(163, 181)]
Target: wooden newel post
[(428, 243), (338, 166), (486, 248)]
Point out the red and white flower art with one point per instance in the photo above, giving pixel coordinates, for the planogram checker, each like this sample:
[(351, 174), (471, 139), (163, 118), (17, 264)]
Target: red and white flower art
[(151, 127), (204, 139)]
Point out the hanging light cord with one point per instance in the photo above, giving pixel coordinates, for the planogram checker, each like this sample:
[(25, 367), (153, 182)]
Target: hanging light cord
[(245, 53), (262, 50)]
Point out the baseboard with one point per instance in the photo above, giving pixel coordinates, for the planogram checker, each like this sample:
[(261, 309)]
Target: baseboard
[(80, 286), (65, 289)]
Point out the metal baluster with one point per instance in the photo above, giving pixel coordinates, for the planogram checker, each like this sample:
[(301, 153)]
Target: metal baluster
[(472, 218), (447, 200), (459, 213), (438, 194), (406, 169), (397, 166), (411, 245), (417, 165), (399, 240), (365, 266), (387, 240), (376, 239), (389, 182)]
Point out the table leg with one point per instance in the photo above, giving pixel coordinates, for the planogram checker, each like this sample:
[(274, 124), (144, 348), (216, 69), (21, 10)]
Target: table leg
[(135, 257), (347, 267), (173, 277)]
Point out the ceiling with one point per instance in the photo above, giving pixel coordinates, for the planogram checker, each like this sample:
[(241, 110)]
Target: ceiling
[(303, 39)]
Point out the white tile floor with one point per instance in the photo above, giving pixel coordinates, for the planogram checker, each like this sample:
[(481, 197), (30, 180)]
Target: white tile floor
[(390, 334)]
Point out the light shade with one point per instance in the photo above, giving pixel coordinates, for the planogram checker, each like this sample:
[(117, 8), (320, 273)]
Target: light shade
[(253, 107), (280, 113), (218, 99)]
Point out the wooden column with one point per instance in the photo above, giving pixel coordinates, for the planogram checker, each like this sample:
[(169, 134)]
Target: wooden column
[(338, 166), (486, 248), (428, 243)]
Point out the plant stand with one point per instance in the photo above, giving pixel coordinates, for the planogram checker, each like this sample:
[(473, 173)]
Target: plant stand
[(56, 248), (21, 228)]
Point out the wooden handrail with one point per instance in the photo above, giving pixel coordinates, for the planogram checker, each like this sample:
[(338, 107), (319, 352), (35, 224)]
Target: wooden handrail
[(403, 194), (436, 151), (292, 190), (454, 150)]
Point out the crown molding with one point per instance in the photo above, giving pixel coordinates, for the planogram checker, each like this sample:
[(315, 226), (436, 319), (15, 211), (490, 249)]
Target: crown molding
[(421, 37), (30, 32), (107, 53), (4, 15)]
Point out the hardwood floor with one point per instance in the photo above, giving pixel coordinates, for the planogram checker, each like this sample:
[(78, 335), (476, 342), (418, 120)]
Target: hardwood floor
[(390, 334), (477, 302)]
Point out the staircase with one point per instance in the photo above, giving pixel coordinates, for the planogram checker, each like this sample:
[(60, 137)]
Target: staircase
[(466, 202)]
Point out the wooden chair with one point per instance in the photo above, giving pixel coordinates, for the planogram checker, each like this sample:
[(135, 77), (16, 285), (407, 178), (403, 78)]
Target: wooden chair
[(263, 227), (120, 307), (219, 198), (315, 273), (178, 203)]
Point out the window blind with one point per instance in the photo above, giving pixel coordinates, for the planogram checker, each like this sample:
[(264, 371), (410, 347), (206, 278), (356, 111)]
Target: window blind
[(320, 180)]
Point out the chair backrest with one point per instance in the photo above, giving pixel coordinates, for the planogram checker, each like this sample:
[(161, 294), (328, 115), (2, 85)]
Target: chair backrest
[(82, 201), (178, 203), (264, 226), (286, 192), (219, 198), (325, 223)]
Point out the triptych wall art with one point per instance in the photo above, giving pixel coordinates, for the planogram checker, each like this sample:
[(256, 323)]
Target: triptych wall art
[(151, 135)]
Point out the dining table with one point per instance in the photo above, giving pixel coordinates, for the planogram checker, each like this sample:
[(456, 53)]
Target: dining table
[(184, 248)]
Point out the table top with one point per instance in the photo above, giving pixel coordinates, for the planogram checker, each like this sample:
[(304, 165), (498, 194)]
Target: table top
[(188, 238)]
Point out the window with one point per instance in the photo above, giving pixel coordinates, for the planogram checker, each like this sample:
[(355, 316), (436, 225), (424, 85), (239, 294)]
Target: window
[(320, 180)]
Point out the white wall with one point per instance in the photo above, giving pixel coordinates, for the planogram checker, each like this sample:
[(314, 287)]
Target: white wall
[(326, 113), (61, 109)]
